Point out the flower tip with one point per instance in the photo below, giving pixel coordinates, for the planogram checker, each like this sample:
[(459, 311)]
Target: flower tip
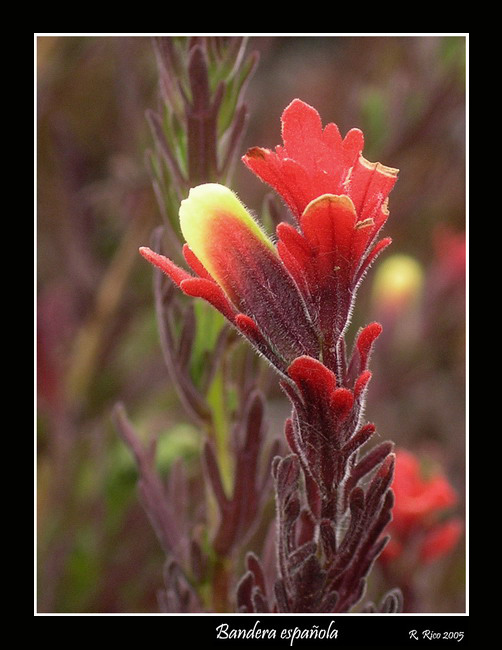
[(147, 253), (298, 104), (376, 329), (206, 195), (379, 168), (198, 212), (313, 372), (154, 258), (165, 265), (255, 153), (202, 202)]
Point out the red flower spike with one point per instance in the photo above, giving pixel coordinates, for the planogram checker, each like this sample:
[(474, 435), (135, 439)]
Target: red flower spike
[(293, 301), (298, 294), (239, 271), (339, 200)]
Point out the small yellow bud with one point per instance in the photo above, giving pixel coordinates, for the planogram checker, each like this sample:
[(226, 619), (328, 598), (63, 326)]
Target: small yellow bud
[(398, 283)]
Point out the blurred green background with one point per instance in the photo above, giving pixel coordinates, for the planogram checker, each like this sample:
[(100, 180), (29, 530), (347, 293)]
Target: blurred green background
[(97, 337)]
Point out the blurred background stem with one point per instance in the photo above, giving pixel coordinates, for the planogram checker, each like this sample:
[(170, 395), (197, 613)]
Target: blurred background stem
[(89, 341)]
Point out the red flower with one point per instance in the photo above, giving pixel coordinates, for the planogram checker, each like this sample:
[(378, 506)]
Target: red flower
[(450, 262), (440, 540), (339, 200), (314, 162), (295, 298), (420, 505)]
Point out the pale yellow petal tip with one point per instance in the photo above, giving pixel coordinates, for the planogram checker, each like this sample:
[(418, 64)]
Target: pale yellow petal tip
[(203, 200), (340, 200), (383, 169), (204, 204), (208, 191)]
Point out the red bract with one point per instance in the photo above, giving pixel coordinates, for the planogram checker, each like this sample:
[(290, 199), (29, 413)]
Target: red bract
[(319, 429), (339, 201), (420, 505)]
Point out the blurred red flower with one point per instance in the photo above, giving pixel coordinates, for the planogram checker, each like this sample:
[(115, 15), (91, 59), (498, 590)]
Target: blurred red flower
[(418, 515)]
